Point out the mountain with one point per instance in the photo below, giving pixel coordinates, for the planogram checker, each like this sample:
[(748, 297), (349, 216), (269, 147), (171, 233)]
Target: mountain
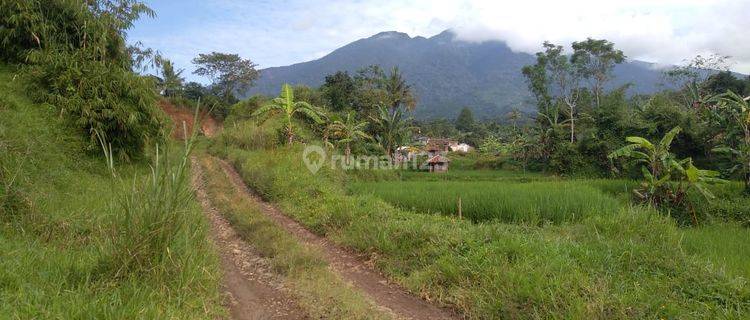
[(446, 73)]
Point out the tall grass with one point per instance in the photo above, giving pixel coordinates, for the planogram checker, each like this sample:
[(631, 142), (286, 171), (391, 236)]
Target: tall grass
[(533, 202), (151, 215), (727, 246)]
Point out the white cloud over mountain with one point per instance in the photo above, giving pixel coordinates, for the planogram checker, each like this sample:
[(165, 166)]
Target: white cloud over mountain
[(274, 33)]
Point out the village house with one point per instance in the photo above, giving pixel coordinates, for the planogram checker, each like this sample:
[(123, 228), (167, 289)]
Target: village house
[(438, 146), (438, 163), (434, 149), (461, 147)]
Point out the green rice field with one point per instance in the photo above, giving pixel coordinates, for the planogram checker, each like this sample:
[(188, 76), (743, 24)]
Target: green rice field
[(532, 202)]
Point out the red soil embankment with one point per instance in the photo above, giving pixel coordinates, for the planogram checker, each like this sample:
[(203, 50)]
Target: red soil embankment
[(208, 125)]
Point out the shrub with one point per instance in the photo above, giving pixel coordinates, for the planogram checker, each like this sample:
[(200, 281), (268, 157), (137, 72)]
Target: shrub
[(250, 135), (244, 109), (151, 217), (100, 97), (77, 56)]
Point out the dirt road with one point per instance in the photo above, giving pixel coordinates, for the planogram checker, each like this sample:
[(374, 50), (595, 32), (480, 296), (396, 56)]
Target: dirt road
[(354, 270), (251, 290)]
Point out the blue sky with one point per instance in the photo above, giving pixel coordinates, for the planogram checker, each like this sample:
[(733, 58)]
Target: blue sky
[(275, 33)]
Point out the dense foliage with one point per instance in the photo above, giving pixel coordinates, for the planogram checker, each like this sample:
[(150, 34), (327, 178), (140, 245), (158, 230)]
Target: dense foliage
[(75, 52), (229, 74)]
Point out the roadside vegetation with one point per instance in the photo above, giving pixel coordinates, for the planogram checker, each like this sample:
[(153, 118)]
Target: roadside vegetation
[(540, 233), (96, 217), (72, 235)]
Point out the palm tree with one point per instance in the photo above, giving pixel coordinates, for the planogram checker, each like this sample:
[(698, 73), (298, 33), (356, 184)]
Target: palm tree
[(348, 131), (399, 92), (392, 128), (513, 116), (172, 82), (734, 114), (289, 108)]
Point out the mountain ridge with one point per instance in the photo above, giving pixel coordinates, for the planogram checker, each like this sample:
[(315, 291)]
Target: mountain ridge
[(447, 74)]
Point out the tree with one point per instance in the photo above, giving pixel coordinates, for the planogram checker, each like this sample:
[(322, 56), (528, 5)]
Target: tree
[(369, 77), (95, 29), (369, 93), (313, 96), (513, 116), (596, 59), (554, 74), (690, 77), (228, 72), (465, 120), (348, 131), (438, 128), (724, 81), (666, 179), (536, 80), (392, 129), (399, 92), (339, 90), (286, 104), (734, 113), (194, 91), (76, 54), (171, 80)]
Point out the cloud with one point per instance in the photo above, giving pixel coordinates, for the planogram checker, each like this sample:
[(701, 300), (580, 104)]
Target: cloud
[(274, 33), (656, 31)]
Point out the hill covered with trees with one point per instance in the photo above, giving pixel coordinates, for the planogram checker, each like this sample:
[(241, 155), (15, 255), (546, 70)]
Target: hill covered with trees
[(447, 74)]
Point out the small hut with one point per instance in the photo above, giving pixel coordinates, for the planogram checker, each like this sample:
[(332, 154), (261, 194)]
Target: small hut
[(438, 163), (438, 146)]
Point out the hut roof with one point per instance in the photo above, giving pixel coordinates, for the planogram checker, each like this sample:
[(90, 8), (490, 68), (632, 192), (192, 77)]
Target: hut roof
[(438, 159), (439, 144)]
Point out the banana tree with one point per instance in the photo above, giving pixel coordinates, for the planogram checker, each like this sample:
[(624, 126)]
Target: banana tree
[(667, 180), (348, 131), (734, 114), (656, 161), (289, 108)]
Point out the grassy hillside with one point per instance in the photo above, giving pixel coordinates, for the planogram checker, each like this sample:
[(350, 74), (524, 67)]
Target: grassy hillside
[(71, 241)]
